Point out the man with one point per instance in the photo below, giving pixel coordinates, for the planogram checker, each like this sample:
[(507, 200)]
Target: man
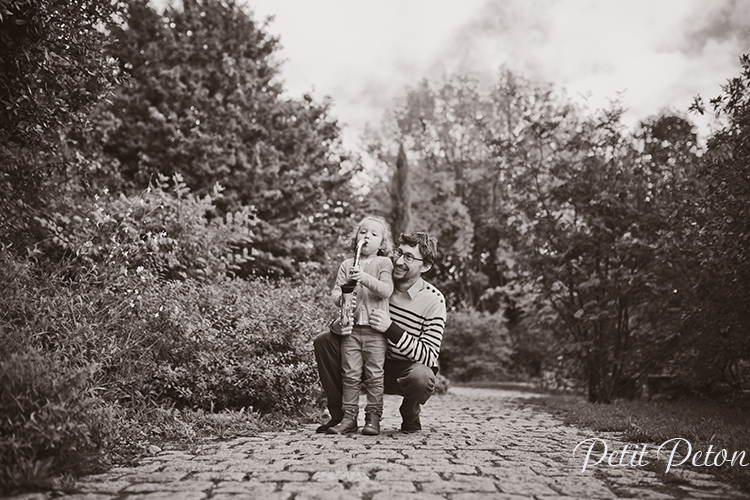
[(414, 328)]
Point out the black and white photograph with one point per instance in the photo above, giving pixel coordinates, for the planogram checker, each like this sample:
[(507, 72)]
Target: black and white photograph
[(374, 250)]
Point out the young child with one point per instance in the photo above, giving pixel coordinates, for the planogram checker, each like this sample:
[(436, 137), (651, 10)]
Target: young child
[(363, 350)]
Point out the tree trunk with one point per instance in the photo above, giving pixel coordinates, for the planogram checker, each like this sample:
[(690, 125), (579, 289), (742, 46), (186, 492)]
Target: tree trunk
[(599, 390)]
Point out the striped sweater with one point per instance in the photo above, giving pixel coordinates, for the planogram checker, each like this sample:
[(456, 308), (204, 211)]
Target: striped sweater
[(418, 321)]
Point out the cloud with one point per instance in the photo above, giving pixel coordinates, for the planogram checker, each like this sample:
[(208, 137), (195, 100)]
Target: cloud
[(656, 54), (726, 22)]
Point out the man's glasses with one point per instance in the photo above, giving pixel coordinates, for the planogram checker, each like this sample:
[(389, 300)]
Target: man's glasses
[(408, 258)]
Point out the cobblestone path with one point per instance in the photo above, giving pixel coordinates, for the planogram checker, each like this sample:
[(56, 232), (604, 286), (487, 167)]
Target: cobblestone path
[(476, 444)]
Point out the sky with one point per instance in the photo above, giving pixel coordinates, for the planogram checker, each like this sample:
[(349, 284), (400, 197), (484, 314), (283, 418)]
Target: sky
[(365, 54)]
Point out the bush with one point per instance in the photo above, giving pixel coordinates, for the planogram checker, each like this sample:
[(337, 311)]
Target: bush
[(146, 344), (231, 345), (165, 229), (50, 418), (476, 347), (540, 351), (236, 345), (131, 295)]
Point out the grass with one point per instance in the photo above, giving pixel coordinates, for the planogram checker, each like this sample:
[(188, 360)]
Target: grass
[(186, 429), (146, 431), (703, 422)]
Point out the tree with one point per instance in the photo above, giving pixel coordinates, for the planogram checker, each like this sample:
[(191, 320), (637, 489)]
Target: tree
[(204, 101), (52, 64), (552, 213), (53, 68), (593, 209), (437, 124), (718, 239), (400, 195)]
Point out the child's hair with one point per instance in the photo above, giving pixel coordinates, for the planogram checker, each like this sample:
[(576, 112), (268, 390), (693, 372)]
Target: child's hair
[(386, 246)]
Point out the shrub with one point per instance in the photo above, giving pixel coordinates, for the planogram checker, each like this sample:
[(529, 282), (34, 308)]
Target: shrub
[(441, 384), (235, 345), (165, 229), (539, 349), (231, 345), (147, 345), (50, 418), (476, 346)]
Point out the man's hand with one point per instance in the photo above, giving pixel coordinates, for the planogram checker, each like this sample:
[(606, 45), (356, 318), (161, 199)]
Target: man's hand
[(380, 320)]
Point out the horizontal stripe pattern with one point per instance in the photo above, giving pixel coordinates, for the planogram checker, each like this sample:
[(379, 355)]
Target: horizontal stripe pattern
[(421, 313)]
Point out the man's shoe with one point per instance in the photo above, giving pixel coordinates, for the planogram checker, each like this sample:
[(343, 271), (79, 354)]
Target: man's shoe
[(372, 425), (347, 425), (323, 428), (412, 427)]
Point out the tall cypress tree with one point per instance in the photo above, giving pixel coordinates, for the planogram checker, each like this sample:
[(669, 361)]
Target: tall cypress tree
[(400, 194)]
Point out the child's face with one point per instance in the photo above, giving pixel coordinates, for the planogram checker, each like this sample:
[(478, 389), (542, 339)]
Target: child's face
[(372, 232)]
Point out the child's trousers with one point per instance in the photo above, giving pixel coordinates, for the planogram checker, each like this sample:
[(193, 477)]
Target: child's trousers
[(362, 361)]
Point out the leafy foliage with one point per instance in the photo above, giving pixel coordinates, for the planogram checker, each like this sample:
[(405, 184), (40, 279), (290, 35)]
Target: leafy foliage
[(52, 66), (539, 348), (237, 346), (436, 124), (717, 239), (476, 348), (78, 348), (204, 101), (139, 306), (593, 215), (167, 230), (50, 417), (543, 208)]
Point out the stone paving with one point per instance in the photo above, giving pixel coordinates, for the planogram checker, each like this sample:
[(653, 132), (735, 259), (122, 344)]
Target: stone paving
[(476, 444)]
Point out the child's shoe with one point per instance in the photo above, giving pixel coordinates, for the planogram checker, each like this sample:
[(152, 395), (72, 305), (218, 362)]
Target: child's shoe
[(348, 424), (372, 424)]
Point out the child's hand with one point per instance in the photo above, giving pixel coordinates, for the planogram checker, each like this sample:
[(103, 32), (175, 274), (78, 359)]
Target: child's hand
[(355, 273)]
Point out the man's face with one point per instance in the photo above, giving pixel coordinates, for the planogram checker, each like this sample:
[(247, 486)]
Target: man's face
[(408, 271)]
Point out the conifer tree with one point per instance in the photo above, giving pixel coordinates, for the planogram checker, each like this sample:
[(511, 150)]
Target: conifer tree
[(400, 194)]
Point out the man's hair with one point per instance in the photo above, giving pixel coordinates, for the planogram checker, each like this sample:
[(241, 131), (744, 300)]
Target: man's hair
[(427, 245)]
